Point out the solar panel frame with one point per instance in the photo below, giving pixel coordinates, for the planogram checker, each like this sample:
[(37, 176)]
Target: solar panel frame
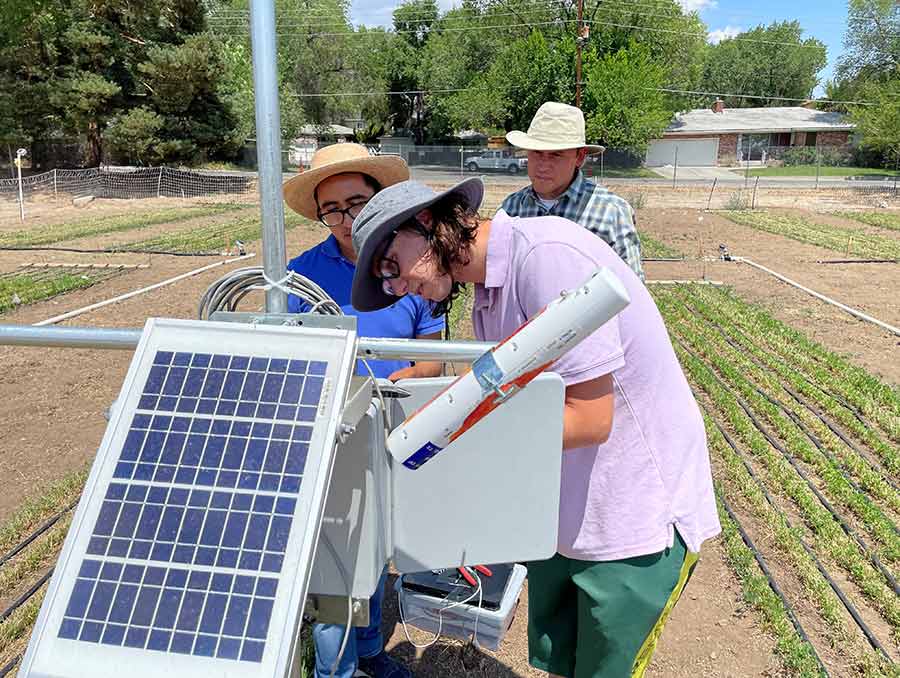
[(49, 654)]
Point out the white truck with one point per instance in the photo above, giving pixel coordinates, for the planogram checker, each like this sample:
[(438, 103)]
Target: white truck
[(504, 160)]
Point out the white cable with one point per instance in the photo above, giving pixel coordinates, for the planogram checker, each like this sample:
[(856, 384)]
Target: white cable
[(346, 579), (227, 292), (403, 620)]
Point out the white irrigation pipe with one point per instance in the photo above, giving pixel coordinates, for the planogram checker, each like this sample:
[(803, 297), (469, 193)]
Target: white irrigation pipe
[(821, 297), (134, 293), (714, 283)]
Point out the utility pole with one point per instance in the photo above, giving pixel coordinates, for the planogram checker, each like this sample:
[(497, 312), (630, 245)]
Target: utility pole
[(578, 44)]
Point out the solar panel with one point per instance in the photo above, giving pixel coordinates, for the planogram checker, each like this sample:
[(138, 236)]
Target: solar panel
[(192, 544)]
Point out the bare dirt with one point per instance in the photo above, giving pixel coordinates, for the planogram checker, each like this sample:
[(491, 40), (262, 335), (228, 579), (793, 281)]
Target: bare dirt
[(870, 288), (52, 403)]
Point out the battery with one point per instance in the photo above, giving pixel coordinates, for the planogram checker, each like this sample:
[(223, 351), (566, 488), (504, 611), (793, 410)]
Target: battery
[(425, 599)]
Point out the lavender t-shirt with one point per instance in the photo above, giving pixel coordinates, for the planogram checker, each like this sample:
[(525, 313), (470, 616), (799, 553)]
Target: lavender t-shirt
[(623, 498)]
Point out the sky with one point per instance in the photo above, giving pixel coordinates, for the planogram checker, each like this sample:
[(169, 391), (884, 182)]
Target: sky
[(822, 19)]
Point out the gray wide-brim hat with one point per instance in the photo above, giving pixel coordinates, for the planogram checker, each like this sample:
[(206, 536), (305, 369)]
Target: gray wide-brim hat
[(387, 210)]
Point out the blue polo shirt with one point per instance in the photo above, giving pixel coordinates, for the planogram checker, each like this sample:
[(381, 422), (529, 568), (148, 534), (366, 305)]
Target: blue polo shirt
[(408, 318)]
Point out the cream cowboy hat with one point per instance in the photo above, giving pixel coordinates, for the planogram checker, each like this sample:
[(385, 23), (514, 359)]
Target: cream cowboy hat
[(555, 127), (300, 192)]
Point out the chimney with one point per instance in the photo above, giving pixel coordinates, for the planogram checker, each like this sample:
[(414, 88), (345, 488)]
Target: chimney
[(718, 106)]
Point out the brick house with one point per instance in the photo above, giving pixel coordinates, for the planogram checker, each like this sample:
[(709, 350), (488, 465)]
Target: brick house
[(716, 136)]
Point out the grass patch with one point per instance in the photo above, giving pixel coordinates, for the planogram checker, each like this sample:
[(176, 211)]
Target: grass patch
[(810, 171), (211, 238), (844, 240), (796, 654), (653, 248), (57, 233), (40, 508), (623, 173), (36, 557), (889, 220), (27, 288)]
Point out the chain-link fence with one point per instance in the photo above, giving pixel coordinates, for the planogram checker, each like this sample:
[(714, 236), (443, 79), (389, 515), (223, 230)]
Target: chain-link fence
[(779, 178)]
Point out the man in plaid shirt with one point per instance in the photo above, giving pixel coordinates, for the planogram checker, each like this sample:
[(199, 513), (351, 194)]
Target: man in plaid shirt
[(556, 151)]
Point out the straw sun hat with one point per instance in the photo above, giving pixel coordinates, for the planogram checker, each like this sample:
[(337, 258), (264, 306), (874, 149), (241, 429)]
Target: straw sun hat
[(299, 192), (555, 127)]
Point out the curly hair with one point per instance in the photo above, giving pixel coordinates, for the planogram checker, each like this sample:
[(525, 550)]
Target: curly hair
[(454, 226)]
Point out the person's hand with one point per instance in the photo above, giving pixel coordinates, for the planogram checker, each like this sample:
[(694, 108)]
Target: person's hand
[(405, 373)]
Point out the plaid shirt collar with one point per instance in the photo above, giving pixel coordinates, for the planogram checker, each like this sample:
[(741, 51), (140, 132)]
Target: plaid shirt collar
[(571, 194)]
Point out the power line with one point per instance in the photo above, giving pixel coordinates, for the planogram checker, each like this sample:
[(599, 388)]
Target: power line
[(657, 89), (759, 96), (703, 35)]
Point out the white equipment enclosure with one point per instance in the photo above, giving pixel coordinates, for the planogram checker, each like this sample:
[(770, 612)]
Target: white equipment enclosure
[(240, 460)]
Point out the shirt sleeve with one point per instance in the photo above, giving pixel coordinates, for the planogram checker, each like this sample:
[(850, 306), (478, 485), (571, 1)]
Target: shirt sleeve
[(546, 271), (626, 242), (425, 323)]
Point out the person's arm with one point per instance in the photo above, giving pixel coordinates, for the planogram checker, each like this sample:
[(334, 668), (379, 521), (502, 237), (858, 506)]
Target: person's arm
[(588, 412), (420, 369)]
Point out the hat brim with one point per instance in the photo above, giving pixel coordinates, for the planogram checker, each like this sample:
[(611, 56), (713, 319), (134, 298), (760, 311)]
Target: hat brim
[(367, 293), (522, 140), (300, 191)]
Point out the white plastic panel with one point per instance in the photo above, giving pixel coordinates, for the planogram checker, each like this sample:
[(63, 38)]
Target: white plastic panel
[(493, 494), (191, 548)]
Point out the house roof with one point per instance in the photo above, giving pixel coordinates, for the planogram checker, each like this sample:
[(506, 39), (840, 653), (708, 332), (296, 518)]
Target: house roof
[(775, 119), (325, 130)]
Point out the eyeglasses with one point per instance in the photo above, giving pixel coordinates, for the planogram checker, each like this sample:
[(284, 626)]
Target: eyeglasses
[(336, 217), (387, 268)]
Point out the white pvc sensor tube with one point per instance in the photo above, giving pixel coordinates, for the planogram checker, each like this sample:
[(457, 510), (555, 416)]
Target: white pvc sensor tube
[(504, 370)]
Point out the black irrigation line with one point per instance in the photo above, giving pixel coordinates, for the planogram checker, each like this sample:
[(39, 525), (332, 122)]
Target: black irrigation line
[(828, 455), (21, 600), (37, 533), (841, 401), (663, 259), (849, 531), (773, 584), (10, 665), (858, 261), (110, 250), (738, 347), (840, 434), (851, 609)]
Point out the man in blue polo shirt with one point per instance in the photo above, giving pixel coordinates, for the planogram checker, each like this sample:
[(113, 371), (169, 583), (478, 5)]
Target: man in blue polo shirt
[(341, 180)]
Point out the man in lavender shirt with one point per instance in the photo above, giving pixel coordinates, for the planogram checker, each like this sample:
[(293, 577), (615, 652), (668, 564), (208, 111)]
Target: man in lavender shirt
[(636, 499)]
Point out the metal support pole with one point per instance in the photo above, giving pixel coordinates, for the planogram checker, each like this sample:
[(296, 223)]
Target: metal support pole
[(818, 162), (268, 148), (127, 339), (19, 155), (675, 168), (578, 44), (461, 161), (755, 186), (55, 195), (159, 182), (711, 191)]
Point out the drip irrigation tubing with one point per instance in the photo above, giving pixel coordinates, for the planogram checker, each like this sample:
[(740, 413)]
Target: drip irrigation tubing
[(663, 259), (37, 533), (813, 410), (835, 429), (858, 261), (21, 600), (10, 665), (110, 250), (851, 609), (773, 584), (849, 531)]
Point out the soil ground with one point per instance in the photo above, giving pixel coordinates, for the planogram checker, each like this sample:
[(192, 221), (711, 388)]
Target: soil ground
[(52, 403)]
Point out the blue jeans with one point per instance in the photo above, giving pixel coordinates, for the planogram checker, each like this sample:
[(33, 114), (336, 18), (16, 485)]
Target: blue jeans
[(363, 641)]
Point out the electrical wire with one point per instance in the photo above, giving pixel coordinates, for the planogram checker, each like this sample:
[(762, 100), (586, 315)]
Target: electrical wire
[(227, 292), (404, 621), (346, 579)]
